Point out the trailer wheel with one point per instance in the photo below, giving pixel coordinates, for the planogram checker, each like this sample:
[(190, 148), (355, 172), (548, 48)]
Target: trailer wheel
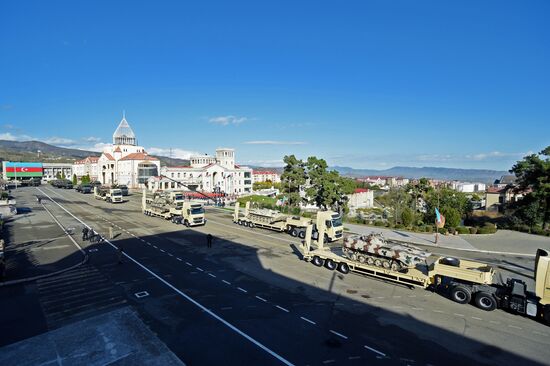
[(317, 261), (302, 234), (251, 225), (461, 294), (546, 314), (343, 268), (485, 301), (325, 239), (294, 232), (240, 222), (186, 223), (329, 264)]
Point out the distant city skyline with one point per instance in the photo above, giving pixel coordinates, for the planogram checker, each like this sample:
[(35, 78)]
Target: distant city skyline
[(366, 85)]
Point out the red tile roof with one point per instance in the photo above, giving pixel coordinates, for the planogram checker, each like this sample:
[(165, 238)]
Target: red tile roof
[(495, 190), (361, 190), (117, 149), (139, 156), (93, 159), (109, 156)]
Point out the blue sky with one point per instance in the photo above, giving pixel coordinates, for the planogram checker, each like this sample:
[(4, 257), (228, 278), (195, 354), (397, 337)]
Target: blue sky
[(366, 84)]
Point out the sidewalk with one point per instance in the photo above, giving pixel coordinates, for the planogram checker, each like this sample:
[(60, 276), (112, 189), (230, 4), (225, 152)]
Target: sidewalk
[(35, 244)]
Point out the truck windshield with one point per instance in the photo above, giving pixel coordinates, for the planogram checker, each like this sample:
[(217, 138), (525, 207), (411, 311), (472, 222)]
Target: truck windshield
[(178, 197), (336, 222), (197, 211), (119, 193)]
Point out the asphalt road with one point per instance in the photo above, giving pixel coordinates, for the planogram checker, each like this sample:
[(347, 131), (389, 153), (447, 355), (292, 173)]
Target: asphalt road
[(250, 299)]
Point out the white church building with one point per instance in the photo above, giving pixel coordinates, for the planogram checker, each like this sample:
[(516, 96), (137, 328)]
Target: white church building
[(123, 162)]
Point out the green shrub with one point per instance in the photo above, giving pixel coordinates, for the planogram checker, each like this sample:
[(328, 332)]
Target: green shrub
[(442, 230), (451, 230), (389, 225), (379, 223), (462, 230), (399, 226), (429, 228), (473, 230)]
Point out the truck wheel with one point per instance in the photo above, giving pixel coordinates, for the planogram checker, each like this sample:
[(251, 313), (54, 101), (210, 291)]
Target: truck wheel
[(329, 264), (302, 234), (317, 261), (461, 294), (251, 225), (343, 268), (240, 222), (325, 239), (186, 223), (245, 223), (450, 261), (294, 232), (546, 314), (361, 258), (485, 301)]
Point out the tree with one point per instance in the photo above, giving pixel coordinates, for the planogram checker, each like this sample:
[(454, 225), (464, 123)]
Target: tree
[(533, 173), (326, 188), (407, 216), (293, 178), (446, 199), (75, 180), (397, 199), (452, 217), (86, 179), (58, 175)]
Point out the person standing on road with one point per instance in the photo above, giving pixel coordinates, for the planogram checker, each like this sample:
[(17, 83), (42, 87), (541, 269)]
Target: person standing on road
[(209, 240), (120, 253), (85, 233), (39, 199), (91, 235)]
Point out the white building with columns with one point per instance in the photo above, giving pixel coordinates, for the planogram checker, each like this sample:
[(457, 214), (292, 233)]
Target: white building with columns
[(208, 173)]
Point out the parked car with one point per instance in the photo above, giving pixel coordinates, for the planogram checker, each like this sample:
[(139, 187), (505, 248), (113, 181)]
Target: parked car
[(84, 188), (94, 184)]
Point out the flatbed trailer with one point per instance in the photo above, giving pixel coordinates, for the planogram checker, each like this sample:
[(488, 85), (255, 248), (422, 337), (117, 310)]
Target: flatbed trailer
[(463, 281)]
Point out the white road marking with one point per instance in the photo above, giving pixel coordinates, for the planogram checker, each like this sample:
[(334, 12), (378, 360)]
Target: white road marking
[(212, 275), (154, 246), (438, 311), (170, 254), (307, 320), (200, 269), (419, 309), (514, 326), (281, 308), (494, 322), (261, 298), (242, 289), (338, 334), (188, 298), (457, 314), (189, 264), (226, 282), (354, 357), (326, 362), (375, 351), (162, 250), (178, 258), (476, 318)]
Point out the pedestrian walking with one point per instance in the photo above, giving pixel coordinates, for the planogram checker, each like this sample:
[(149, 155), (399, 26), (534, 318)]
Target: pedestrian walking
[(120, 253), (91, 235), (85, 233), (209, 240), (39, 199)]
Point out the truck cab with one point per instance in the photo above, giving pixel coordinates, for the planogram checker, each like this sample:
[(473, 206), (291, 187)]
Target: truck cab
[(193, 214), (334, 228), (114, 195)]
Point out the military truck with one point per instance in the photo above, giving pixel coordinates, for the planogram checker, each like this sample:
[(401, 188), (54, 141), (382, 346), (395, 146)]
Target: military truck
[(172, 206), (463, 281), (108, 194), (330, 221)]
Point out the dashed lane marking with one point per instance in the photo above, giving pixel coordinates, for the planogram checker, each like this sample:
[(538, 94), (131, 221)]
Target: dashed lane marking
[(185, 296), (281, 308), (189, 264), (170, 254), (354, 357), (226, 282), (242, 289), (178, 258), (375, 351), (338, 334), (261, 298), (438, 311), (514, 326), (200, 269), (326, 362), (307, 320), (212, 275), (457, 314), (476, 318), (162, 250)]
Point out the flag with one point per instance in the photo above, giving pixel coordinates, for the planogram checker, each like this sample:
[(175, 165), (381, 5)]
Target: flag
[(439, 218), (23, 169)]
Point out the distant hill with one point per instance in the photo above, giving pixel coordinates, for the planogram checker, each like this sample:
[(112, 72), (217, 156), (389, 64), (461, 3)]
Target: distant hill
[(466, 175), (28, 151)]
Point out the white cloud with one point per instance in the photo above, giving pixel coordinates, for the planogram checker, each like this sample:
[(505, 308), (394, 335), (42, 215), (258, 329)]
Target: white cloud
[(91, 139), (7, 136), (176, 153), (227, 120), (274, 142), (484, 156)]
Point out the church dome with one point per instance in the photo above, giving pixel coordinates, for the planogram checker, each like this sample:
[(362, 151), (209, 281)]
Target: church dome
[(124, 134)]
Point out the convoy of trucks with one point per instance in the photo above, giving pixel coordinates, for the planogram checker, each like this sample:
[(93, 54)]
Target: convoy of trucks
[(461, 280), (329, 222), (172, 206), (108, 194)]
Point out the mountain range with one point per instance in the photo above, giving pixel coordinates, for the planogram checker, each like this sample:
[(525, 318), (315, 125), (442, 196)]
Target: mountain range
[(40, 151), (464, 175)]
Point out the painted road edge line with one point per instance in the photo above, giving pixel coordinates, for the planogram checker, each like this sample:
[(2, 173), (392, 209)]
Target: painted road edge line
[(188, 298)]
